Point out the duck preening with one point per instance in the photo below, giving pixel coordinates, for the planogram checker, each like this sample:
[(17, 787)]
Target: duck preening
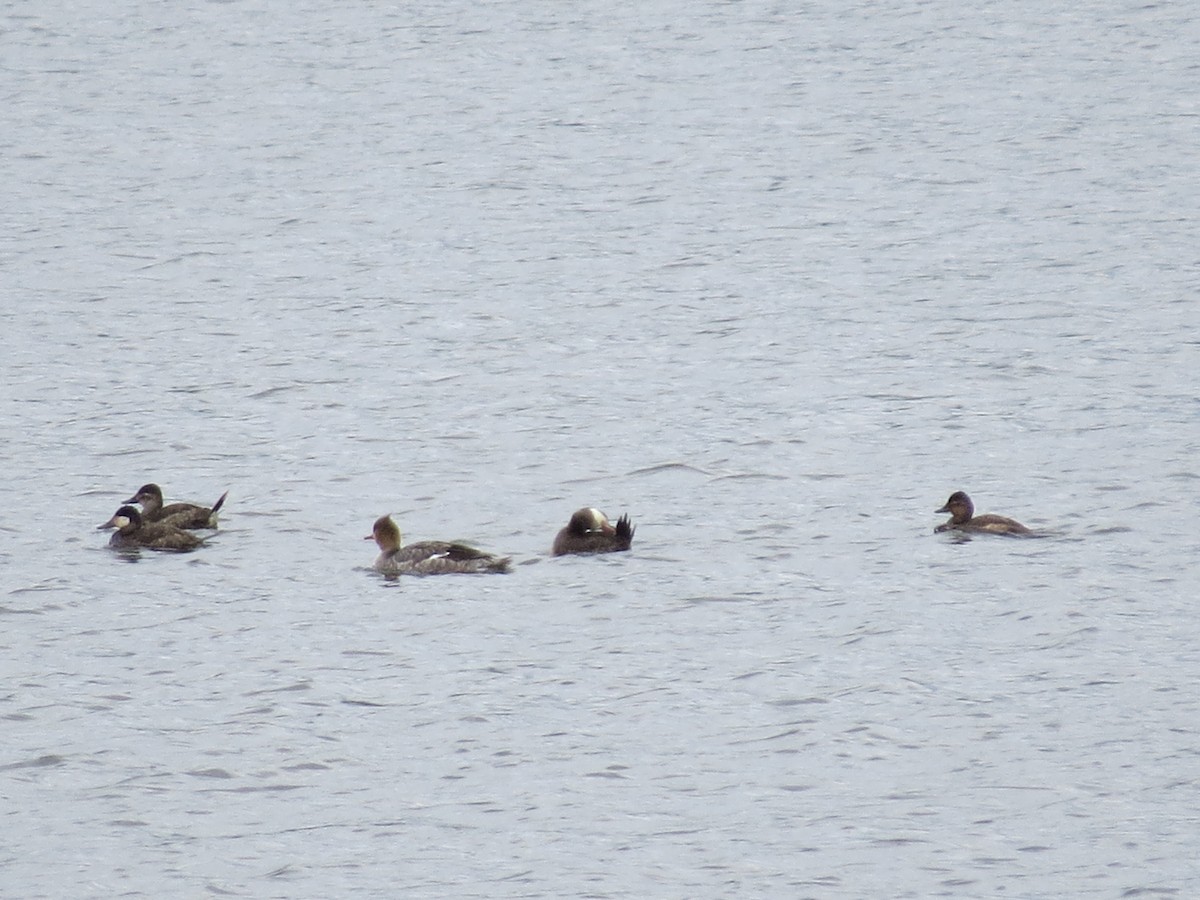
[(589, 531)]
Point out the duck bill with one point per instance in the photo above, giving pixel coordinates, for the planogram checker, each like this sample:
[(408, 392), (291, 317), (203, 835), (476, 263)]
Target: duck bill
[(114, 522), (945, 509)]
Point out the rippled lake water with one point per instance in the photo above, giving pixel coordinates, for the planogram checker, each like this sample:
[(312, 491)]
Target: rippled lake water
[(773, 279)]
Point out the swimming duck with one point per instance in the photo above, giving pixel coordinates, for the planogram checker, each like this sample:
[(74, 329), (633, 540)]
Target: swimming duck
[(589, 531), (134, 532), (963, 518), (181, 515), (428, 557)]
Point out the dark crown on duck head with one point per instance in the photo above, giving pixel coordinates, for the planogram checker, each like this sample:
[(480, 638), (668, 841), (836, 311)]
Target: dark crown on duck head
[(959, 505), (589, 520), (129, 513), (151, 490)]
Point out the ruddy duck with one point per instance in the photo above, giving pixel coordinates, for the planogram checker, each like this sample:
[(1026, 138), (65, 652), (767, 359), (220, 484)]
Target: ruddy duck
[(589, 531), (181, 515), (134, 532), (428, 557), (963, 518)]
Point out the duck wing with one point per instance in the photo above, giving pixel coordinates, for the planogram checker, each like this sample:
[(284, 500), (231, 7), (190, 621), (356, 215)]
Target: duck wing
[(441, 558)]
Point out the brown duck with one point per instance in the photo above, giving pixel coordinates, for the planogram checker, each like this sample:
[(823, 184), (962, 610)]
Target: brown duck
[(963, 518), (589, 531), (133, 533), (428, 557), (181, 515)]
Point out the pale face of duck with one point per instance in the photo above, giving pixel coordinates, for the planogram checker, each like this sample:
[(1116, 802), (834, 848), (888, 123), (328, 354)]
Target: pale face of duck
[(602, 524), (590, 520), (385, 533), (127, 518)]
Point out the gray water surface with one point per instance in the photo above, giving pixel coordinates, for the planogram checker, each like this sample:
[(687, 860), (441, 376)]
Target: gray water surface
[(773, 279)]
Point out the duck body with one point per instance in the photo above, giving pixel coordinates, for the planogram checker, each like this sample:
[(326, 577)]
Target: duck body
[(589, 531), (181, 515), (963, 518), (134, 533), (429, 557)]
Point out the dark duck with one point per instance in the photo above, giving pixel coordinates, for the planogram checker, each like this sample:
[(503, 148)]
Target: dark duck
[(181, 515), (963, 518), (589, 531), (134, 533)]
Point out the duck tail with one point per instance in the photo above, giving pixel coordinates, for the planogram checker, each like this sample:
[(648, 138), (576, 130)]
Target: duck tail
[(220, 500), (625, 530)]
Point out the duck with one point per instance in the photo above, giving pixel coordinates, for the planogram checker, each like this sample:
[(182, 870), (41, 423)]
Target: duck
[(181, 515), (963, 518), (428, 557), (589, 531), (133, 532)]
